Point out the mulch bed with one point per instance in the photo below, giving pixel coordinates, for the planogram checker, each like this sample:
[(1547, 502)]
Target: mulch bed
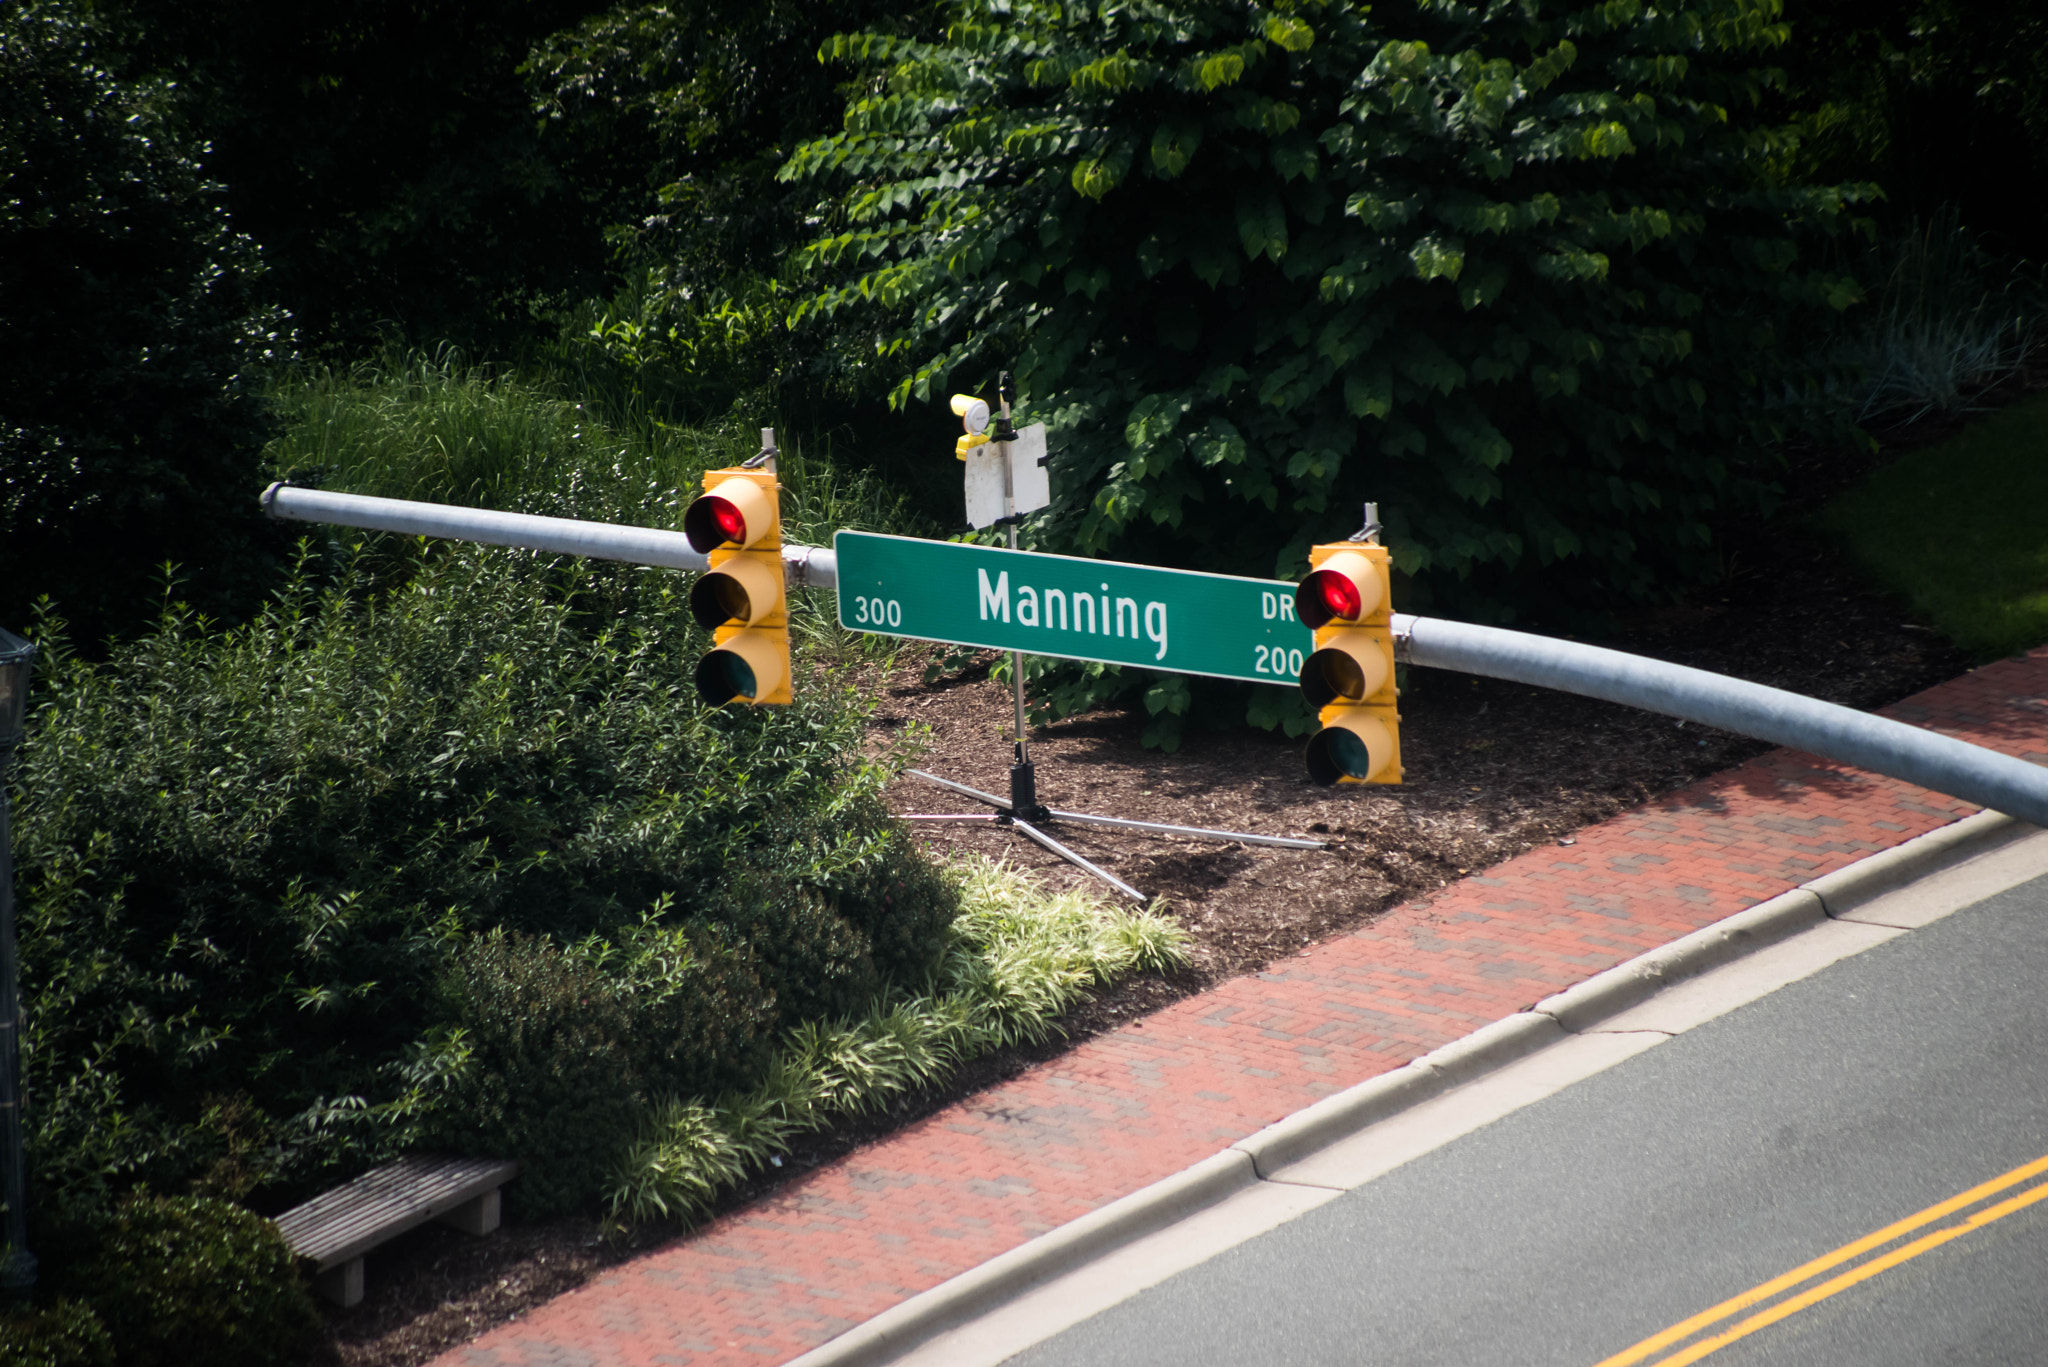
[(1493, 769)]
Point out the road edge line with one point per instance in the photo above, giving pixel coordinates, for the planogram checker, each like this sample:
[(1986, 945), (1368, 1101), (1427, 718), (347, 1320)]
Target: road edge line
[(1246, 1163)]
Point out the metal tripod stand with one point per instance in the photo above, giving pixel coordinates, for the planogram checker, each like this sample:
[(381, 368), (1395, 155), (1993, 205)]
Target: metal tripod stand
[(1022, 808)]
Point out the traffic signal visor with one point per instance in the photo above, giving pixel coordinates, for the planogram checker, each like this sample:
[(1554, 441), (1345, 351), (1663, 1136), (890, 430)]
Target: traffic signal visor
[(1347, 587), (739, 589), (737, 512), (1348, 667), (747, 666)]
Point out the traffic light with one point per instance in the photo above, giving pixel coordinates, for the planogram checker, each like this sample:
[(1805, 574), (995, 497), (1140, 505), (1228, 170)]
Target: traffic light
[(741, 597), (1347, 600)]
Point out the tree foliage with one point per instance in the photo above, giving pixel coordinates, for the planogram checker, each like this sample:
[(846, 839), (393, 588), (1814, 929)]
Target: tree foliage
[(1519, 273), (1943, 103), (385, 155), (131, 423)]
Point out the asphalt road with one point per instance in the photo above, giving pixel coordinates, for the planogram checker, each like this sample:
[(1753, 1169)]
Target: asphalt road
[(1574, 1229)]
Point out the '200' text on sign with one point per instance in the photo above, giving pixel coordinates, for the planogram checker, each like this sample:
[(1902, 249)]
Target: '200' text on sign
[(1184, 621)]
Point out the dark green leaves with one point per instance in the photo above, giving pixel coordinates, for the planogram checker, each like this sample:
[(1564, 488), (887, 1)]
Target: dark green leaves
[(1474, 265)]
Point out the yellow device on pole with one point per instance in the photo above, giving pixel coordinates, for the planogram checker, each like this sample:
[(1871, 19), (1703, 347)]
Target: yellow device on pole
[(742, 597), (1347, 600)]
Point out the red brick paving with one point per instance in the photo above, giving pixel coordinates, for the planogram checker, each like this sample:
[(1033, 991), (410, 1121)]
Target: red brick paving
[(1123, 1110)]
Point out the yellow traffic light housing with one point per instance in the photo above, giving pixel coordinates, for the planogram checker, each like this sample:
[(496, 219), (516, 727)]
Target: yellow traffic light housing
[(1347, 600), (742, 598)]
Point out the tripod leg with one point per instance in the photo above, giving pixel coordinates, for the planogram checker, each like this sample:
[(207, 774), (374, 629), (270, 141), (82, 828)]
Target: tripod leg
[(1076, 860)]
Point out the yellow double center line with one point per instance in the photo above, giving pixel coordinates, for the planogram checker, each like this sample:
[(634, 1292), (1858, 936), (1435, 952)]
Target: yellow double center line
[(1650, 1347)]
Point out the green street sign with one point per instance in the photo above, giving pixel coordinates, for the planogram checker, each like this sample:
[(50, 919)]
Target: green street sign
[(1184, 621)]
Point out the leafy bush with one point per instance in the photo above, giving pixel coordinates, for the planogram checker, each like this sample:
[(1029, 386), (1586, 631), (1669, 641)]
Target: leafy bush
[(63, 1333), (130, 336), (192, 1279), (1521, 276), (1978, 570), (566, 1048), (247, 858), (1019, 957)]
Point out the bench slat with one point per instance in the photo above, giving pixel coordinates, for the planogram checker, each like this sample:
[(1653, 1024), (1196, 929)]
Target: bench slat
[(338, 1225)]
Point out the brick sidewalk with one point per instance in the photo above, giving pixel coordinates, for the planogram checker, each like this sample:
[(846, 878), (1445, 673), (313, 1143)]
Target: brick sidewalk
[(1123, 1110)]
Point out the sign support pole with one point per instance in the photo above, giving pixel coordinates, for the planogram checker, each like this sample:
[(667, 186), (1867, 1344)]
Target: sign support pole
[(1023, 774), (1023, 811)]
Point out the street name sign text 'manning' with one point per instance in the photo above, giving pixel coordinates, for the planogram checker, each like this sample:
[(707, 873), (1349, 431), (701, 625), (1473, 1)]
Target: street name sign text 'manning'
[(1183, 621)]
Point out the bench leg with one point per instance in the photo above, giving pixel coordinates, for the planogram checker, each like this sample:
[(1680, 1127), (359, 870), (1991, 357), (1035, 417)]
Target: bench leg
[(343, 1285), (475, 1217)]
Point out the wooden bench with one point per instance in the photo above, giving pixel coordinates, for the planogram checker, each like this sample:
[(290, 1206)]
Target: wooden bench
[(336, 1228)]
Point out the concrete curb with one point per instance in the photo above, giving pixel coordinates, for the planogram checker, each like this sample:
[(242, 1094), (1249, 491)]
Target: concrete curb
[(1251, 1160), (1868, 879), (909, 1323), (1586, 1004)]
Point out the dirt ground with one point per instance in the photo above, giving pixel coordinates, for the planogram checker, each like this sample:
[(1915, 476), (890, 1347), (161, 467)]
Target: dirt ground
[(1492, 769)]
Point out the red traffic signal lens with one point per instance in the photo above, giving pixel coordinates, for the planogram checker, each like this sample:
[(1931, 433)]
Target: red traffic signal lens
[(730, 520), (734, 512), (1325, 597), (1347, 587), (1340, 595)]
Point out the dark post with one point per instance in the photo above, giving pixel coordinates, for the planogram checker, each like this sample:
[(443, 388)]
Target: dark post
[(17, 1264)]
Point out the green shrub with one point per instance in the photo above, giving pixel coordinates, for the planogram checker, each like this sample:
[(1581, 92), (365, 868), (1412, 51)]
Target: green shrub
[(131, 419), (566, 1048), (1977, 567), (1521, 275), (63, 1333), (387, 157), (191, 1279), (247, 858)]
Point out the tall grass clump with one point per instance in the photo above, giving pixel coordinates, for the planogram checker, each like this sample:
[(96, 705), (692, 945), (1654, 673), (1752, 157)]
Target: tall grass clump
[(436, 427), (1019, 958), (1946, 319)]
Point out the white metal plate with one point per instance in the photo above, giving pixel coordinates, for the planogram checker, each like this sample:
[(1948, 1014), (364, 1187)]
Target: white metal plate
[(1031, 486)]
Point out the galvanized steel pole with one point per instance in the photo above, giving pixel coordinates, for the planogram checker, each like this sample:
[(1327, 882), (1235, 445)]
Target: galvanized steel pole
[(1883, 746), (1894, 749), (807, 566)]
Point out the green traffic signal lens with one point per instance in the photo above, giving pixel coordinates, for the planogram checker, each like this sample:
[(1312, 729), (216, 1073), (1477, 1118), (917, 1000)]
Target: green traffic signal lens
[(1354, 747), (723, 677), (1335, 753)]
